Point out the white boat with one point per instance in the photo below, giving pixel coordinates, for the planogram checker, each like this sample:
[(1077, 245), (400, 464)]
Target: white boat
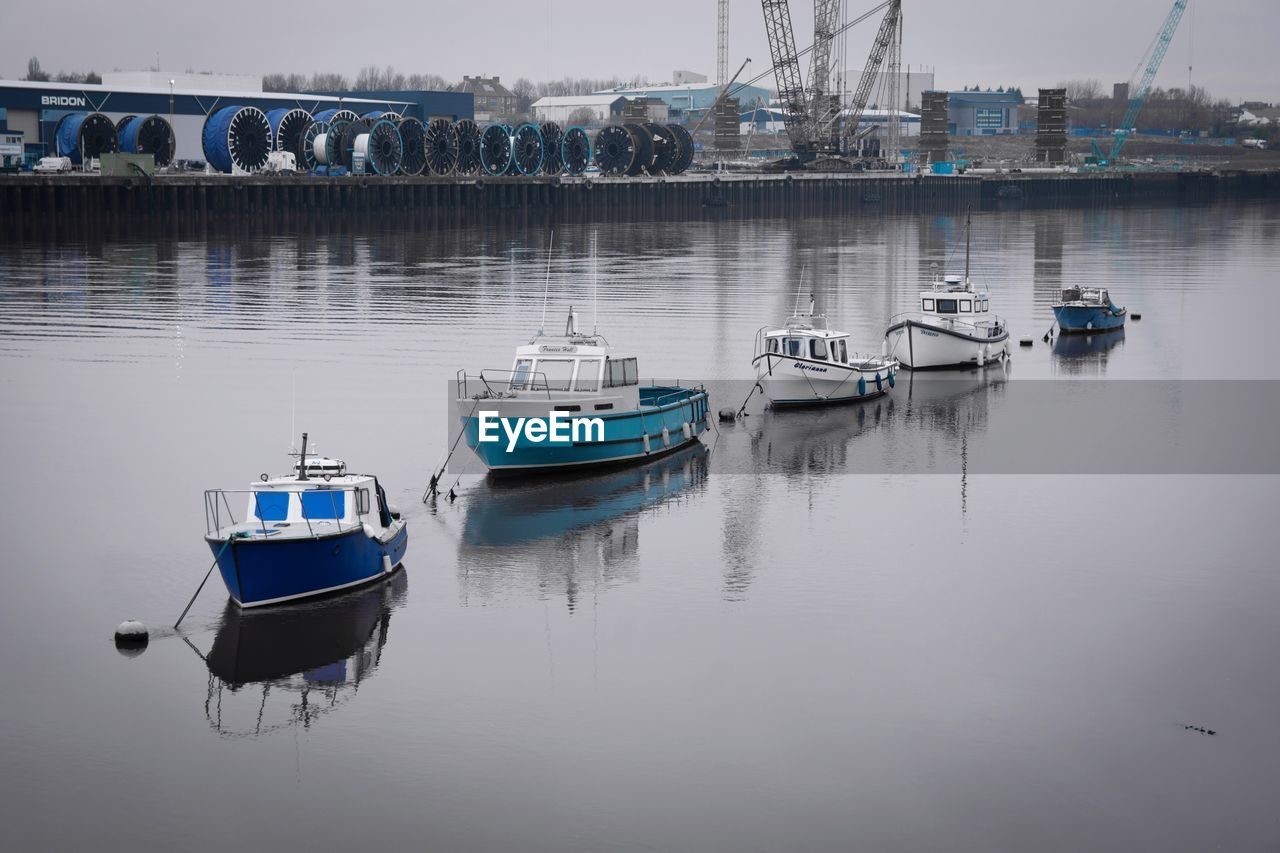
[(805, 364), (953, 326)]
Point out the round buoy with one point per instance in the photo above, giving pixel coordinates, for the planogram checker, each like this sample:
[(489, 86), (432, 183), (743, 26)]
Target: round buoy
[(727, 414), (1137, 315), (1026, 342), (131, 633)]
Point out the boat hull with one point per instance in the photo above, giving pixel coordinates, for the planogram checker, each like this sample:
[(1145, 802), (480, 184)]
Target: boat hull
[(923, 346), (795, 382), (263, 571), (1074, 319), (628, 437)]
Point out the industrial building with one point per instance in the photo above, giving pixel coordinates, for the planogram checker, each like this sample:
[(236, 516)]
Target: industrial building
[(687, 98), (910, 84), (982, 113), (575, 109), (33, 109)]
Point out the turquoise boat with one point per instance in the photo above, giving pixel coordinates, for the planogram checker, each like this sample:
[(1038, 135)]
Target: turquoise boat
[(569, 402), (1087, 309)]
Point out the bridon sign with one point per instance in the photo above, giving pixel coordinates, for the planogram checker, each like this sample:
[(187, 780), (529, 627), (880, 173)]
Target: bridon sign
[(62, 100)]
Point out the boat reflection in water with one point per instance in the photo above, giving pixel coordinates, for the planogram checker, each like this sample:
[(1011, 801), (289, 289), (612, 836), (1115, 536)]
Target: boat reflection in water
[(815, 441), (273, 669), (1086, 354), (545, 536)]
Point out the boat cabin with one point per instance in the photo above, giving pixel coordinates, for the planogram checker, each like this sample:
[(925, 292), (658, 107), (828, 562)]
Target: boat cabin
[(345, 500), (1086, 296), (954, 296), (806, 336)]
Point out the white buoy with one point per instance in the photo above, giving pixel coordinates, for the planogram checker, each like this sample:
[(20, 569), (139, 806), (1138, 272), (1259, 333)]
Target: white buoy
[(131, 633), (1026, 342)]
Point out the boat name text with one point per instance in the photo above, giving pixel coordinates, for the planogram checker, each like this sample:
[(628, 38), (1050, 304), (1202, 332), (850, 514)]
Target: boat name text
[(552, 348), (558, 428), (800, 365)]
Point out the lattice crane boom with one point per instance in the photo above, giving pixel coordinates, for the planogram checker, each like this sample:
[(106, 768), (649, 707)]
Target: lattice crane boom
[(786, 68), (884, 37), (1139, 97)]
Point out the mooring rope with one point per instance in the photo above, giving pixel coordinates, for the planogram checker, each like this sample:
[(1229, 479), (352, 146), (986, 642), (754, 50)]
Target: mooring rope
[(432, 486)]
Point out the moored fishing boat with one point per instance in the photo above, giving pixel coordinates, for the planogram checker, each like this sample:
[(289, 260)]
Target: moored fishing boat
[(952, 327), (804, 363), (571, 402), (1087, 309), (312, 532)]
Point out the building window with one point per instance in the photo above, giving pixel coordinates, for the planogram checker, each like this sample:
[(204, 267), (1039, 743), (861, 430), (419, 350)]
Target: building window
[(988, 118)]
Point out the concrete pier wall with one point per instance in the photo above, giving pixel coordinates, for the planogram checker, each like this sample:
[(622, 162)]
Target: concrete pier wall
[(30, 205)]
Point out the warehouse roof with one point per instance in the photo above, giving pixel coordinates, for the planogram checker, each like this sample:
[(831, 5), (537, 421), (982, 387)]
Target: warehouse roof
[(578, 100), (199, 93)]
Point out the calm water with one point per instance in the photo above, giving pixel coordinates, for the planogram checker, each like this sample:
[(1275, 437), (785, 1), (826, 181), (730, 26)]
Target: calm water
[(781, 645)]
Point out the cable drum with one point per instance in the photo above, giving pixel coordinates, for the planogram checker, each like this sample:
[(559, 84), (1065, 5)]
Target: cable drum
[(311, 145), (684, 149), (664, 148), (347, 141), (375, 115), (468, 147), (643, 161), (148, 135), (615, 150), (85, 136), (575, 151), (237, 138), (496, 149), (120, 123), (442, 147), (414, 157), (331, 115), (287, 127), (333, 143), (527, 149), (552, 138), (382, 147)]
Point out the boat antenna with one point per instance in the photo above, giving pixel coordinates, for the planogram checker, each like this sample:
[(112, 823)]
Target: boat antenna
[(302, 459), (968, 227), (799, 289), (595, 290), (546, 288)]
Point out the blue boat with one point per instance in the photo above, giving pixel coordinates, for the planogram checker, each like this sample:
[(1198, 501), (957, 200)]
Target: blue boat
[(569, 403), (313, 532), (1087, 309)]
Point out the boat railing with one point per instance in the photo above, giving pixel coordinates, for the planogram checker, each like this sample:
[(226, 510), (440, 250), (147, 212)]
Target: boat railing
[(676, 394), (502, 383), (216, 507), (991, 328)]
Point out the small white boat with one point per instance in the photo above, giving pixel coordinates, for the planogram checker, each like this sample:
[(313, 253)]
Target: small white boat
[(805, 364), (953, 326)]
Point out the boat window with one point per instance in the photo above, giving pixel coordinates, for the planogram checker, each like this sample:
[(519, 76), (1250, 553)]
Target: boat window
[(791, 346), (520, 378), (621, 371), (844, 353), (557, 371), (966, 306), (271, 506), (771, 345), (946, 306), (323, 503), (588, 375), (928, 305), (817, 348), (362, 501)]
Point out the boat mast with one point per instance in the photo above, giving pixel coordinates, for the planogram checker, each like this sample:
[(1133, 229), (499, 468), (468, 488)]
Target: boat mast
[(968, 226), (302, 459)]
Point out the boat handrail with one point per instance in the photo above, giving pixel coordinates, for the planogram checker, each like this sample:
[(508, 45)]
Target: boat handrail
[(216, 499), (688, 393), (489, 374)]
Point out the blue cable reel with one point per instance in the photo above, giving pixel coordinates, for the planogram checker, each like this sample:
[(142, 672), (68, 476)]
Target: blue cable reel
[(528, 150), (496, 149)]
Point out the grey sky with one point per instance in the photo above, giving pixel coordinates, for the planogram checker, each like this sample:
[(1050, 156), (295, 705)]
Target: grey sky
[(987, 42)]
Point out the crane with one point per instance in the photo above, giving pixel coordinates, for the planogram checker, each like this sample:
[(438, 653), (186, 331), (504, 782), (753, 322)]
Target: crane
[(1139, 96), (810, 114), (722, 44)]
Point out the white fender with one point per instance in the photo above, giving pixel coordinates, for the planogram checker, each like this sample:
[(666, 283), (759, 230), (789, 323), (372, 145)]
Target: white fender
[(666, 437), (386, 563), (646, 444), (688, 431)]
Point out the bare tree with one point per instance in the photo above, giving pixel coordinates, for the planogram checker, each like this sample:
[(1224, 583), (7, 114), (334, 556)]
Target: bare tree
[(35, 73), (1082, 90), (583, 116)]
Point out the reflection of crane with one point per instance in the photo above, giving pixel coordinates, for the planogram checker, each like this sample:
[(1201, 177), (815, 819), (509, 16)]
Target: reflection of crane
[(1139, 96), (810, 115)]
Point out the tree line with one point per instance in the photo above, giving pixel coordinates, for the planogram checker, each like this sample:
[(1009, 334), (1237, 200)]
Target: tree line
[(1171, 109), (36, 74)]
